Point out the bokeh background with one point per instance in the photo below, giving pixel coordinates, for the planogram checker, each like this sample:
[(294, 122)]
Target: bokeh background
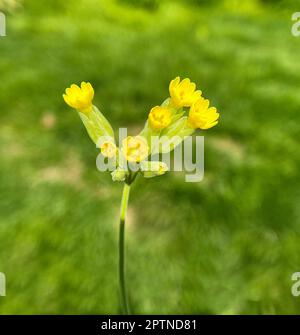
[(226, 245)]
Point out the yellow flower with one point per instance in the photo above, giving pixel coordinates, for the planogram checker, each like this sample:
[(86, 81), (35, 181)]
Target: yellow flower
[(135, 148), (202, 116), (108, 149), (81, 97), (159, 117), (183, 93)]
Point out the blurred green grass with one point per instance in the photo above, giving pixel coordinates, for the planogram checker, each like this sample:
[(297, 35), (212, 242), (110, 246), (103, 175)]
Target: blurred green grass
[(226, 245)]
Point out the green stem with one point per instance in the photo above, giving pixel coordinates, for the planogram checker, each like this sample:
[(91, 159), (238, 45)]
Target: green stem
[(123, 293)]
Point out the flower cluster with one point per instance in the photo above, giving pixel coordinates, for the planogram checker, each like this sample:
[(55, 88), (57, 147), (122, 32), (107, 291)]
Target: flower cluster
[(164, 122)]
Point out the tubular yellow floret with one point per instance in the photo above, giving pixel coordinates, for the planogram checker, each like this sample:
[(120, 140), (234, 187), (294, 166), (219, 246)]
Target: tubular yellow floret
[(202, 116), (183, 92), (108, 149), (160, 117), (135, 148), (80, 98)]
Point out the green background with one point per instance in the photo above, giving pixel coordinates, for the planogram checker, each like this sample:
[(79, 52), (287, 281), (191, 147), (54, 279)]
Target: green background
[(226, 245)]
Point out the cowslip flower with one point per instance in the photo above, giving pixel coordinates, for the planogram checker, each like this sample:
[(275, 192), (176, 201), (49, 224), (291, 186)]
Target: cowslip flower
[(167, 122), (81, 97), (202, 116), (135, 148), (160, 117), (108, 149), (183, 93)]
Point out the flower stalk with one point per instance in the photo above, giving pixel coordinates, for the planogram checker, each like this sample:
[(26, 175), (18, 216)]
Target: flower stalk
[(166, 122), (122, 279)]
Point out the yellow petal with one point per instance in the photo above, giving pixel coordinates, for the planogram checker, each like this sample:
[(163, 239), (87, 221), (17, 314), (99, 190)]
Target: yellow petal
[(174, 83), (210, 125), (75, 88), (68, 100)]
